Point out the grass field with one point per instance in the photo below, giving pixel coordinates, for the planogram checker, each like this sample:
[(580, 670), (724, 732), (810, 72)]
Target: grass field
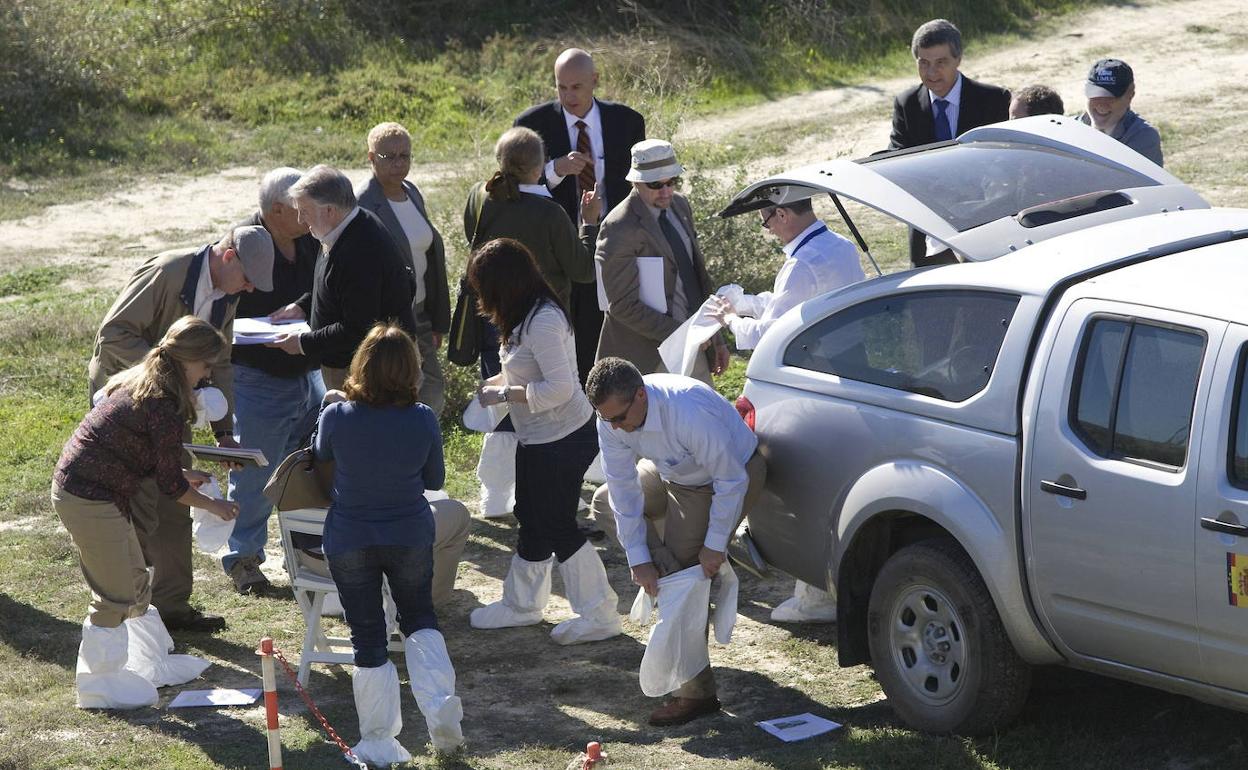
[(529, 703)]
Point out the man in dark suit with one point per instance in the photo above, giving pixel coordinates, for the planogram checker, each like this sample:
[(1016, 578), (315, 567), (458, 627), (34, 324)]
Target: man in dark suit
[(361, 277), (587, 140), (943, 105)]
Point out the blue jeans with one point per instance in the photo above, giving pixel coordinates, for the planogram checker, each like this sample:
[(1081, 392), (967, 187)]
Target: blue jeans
[(408, 569), (274, 415)]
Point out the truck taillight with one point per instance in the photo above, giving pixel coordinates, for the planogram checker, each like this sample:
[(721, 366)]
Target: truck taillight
[(746, 410)]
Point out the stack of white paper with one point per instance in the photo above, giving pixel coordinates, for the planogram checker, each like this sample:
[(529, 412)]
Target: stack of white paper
[(256, 331)]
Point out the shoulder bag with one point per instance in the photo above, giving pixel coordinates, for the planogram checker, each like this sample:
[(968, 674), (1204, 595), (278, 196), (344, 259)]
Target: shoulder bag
[(463, 346), (300, 480)]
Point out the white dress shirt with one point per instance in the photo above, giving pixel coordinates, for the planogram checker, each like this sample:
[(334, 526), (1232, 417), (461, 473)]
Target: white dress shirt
[(542, 359), (694, 437), (333, 235), (825, 262), (419, 238), (593, 125), (205, 292)]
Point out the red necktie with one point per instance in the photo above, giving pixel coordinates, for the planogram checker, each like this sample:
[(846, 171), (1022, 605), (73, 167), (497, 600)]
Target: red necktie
[(586, 177)]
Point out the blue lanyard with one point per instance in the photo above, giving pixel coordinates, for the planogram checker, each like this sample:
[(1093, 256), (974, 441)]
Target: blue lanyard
[(819, 231)]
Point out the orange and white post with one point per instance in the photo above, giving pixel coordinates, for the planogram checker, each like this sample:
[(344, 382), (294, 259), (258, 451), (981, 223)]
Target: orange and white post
[(270, 702)]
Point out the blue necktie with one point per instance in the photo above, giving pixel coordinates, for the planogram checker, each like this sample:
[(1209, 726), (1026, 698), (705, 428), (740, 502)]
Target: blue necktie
[(943, 134)]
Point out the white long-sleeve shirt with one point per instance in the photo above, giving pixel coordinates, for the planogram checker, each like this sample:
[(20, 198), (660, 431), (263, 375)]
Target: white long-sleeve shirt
[(818, 261), (694, 437), (542, 358)]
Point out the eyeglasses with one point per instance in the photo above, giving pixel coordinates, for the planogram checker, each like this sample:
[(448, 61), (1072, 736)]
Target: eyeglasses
[(619, 418), (767, 218), (392, 157), (673, 183)]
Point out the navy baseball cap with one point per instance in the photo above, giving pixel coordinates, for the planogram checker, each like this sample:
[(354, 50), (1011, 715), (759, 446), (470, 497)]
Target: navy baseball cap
[(1108, 77)]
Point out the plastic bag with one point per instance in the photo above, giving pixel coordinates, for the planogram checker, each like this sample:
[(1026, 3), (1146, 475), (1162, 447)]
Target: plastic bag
[(676, 651), (483, 419), (211, 532), (210, 406)]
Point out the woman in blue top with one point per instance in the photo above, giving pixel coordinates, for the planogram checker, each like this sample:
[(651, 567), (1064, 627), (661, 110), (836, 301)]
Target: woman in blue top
[(387, 451)]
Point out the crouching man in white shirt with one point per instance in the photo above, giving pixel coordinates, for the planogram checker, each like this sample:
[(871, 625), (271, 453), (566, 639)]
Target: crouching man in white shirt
[(681, 468), (818, 261)]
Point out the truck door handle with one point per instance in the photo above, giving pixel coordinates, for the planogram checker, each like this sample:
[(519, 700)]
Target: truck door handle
[(1225, 527), (1053, 488)]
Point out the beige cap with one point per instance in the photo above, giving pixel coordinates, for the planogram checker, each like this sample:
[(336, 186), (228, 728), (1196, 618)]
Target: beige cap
[(653, 160)]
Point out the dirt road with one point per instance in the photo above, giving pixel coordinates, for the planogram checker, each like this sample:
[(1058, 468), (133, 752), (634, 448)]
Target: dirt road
[(1189, 58)]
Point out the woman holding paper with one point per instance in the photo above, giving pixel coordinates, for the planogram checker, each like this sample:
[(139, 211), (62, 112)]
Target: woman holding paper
[(514, 204), (134, 432), (558, 440), (387, 451)]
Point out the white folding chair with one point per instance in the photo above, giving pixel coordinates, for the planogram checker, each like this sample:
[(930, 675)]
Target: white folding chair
[(310, 592)]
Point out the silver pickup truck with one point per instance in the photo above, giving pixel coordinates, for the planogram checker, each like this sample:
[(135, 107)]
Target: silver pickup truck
[(1039, 456)]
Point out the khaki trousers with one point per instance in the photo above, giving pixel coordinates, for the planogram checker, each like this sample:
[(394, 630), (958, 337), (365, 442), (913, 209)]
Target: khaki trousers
[(110, 556), (163, 526), (676, 520), (452, 523)]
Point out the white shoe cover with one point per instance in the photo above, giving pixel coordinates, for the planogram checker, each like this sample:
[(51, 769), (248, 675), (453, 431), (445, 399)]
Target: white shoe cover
[(589, 593), (496, 470), (807, 605), (526, 589), (148, 653), (433, 684), (377, 704), (101, 680)]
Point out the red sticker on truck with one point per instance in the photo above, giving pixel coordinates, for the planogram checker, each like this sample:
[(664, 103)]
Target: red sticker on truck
[(1237, 579)]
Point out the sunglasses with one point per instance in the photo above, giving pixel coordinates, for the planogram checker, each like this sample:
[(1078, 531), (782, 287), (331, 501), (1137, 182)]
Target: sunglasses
[(622, 416), (767, 218), (674, 182)]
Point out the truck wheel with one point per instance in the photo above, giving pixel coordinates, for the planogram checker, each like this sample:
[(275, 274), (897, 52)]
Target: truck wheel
[(938, 646)]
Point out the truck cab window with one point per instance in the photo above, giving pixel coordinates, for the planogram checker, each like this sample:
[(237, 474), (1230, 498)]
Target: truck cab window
[(1135, 388)]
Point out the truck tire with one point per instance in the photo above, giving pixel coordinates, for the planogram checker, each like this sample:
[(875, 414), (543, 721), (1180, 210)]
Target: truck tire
[(937, 643)]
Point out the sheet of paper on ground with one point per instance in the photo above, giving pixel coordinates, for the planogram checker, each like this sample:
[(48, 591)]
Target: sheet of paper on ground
[(214, 697), (799, 727)]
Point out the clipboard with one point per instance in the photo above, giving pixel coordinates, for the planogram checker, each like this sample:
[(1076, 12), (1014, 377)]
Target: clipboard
[(650, 277), (240, 455)]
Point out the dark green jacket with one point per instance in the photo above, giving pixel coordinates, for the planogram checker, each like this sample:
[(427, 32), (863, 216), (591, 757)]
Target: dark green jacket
[(543, 226)]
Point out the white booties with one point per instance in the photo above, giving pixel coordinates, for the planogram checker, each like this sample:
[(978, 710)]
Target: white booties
[(101, 681), (433, 685), (592, 599), (496, 470), (807, 605), (148, 653), (377, 704), (526, 589)]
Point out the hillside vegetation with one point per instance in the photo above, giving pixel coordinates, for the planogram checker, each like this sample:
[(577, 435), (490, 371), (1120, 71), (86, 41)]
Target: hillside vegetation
[(175, 85)]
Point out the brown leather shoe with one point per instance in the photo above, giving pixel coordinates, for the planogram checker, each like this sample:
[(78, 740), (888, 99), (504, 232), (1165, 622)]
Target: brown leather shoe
[(678, 711)]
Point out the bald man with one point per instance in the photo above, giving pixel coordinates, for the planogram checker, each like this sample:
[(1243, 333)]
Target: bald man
[(587, 140)]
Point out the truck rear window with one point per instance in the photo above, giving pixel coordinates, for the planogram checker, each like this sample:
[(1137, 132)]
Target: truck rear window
[(942, 344)]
